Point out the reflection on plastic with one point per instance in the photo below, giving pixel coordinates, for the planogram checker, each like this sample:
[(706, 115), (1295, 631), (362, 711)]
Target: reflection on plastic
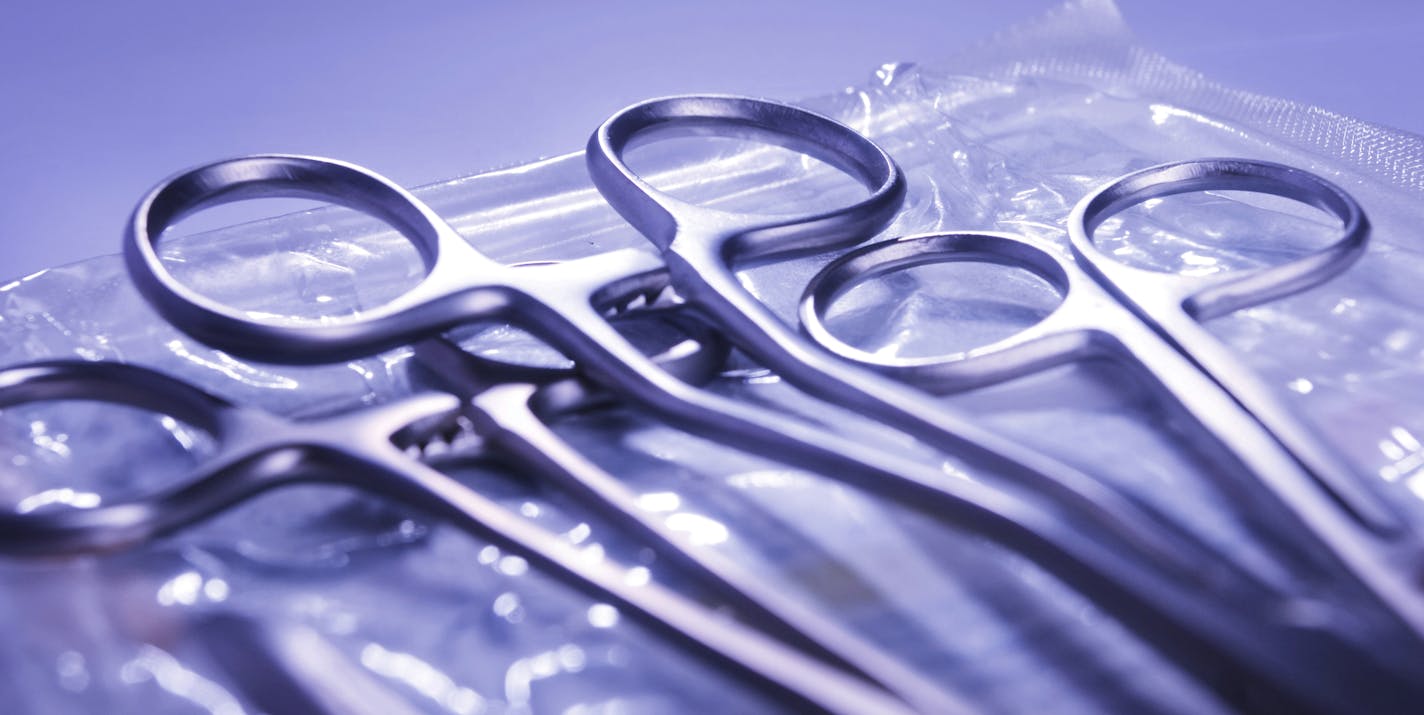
[(1007, 137)]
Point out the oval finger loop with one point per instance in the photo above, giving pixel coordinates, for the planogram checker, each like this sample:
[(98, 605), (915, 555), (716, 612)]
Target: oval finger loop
[(661, 217), (1215, 295), (267, 176)]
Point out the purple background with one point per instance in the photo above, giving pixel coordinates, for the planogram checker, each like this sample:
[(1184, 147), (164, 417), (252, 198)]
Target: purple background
[(98, 103)]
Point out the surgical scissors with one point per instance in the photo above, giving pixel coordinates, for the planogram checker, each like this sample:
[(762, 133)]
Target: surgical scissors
[(257, 451), (1154, 579)]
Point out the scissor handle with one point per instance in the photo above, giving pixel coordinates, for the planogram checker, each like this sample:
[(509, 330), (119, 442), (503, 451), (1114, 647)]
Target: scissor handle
[(661, 217), (1038, 346), (115, 525), (254, 451), (1205, 297), (115, 383), (429, 306)]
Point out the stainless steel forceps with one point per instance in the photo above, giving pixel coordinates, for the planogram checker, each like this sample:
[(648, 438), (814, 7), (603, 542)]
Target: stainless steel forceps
[(508, 406), (1155, 579), (1151, 320), (258, 451)]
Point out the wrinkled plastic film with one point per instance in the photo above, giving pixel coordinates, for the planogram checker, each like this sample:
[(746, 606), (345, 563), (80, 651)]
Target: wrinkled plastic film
[(1007, 137)]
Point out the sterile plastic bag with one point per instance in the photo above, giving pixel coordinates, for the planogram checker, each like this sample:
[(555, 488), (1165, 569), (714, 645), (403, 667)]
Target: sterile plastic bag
[(417, 615)]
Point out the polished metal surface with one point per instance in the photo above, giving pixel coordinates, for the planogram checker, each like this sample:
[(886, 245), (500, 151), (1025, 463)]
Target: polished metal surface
[(257, 451), (1150, 320), (511, 417), (1154, 577), (701, 245), (1175, 305)]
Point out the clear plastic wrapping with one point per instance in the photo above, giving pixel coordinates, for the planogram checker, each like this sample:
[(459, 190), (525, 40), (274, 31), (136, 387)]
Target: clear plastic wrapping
[(1006, 136)]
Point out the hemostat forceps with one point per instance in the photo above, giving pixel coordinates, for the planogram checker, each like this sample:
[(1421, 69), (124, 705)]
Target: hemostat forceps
[(1150, 320), (508, 406), (699, 245), (258, 451), (1168, 595)]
